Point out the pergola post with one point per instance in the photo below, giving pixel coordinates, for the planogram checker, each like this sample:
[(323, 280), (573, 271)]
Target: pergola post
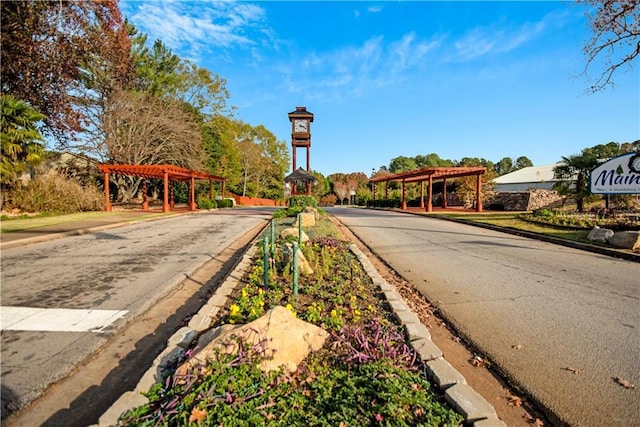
[(165, 195), (444, 193), (430, 194), (421, 194), (479, 193), (107, 196), (192, 194), (145, 202), (404, 200)]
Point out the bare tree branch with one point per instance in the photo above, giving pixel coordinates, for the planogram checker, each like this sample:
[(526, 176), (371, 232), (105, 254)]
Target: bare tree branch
[(615, 39)]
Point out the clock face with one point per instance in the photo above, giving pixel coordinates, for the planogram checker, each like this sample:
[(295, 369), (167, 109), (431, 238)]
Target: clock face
[(300, 126)]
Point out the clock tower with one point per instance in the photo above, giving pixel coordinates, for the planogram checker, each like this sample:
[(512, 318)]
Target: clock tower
[(301, 134)]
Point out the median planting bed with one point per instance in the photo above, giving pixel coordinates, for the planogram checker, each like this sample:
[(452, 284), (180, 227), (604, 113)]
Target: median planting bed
[(364, 374)]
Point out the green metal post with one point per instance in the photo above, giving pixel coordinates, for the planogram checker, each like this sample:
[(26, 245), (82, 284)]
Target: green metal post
[(273, 240), (295, 269), (265, 259)]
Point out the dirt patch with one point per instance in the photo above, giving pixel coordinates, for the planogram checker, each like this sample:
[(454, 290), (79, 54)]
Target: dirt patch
[(512, 408)]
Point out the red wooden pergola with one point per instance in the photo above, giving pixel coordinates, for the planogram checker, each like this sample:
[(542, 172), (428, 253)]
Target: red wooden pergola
[(429, 175), (166, 173)]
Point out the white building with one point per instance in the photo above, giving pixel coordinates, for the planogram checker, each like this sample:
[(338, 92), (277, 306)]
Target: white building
[(538, 177)]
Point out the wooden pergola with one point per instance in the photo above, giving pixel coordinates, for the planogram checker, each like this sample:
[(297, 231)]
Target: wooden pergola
[(429, 175), (165, 172)]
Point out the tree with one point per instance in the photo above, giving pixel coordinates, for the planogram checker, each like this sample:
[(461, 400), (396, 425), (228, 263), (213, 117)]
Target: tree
[(466, 186), (504, 166), (615, 40), (431, 160), (322, 187), (402, 164), (21, 142), (342, 190), (45, 45), (522, 162), (219, 136), (143, 129)]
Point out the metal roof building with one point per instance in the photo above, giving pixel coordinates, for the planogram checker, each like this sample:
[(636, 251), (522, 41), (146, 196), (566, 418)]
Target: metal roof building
[(526, 178)]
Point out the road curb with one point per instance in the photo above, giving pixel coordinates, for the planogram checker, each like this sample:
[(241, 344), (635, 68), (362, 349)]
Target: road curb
[(476, 410)]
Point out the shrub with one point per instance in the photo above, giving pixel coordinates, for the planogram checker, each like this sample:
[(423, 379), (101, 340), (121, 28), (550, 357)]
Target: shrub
[(204, 202), (55, 193), (225, 203), (303, 201)]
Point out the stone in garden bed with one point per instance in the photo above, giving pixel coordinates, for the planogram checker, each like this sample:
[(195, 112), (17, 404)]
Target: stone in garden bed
[(289, 338), (626, 240)]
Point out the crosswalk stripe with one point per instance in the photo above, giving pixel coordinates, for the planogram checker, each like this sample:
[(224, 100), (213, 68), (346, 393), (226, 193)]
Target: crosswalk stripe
[(57, 319)]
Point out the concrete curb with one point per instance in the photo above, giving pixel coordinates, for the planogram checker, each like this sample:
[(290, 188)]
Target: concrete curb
[(476, 410)]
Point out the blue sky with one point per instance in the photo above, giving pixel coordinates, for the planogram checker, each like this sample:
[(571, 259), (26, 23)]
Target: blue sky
[(388, 79)]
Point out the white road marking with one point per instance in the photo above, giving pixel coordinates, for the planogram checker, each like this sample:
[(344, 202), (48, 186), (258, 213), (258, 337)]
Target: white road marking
[(56, 319)]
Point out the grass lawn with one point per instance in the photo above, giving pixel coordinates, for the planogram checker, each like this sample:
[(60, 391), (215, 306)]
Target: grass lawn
[(21, 223), (512, 220)]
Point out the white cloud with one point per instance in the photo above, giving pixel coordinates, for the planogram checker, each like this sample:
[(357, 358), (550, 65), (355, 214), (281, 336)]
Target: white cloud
[(197, 26), (499, 38)]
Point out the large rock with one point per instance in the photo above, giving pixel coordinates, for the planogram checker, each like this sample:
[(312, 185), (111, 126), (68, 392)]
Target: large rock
[(626, 240), (303, 264), (312, 210), (289, 338), (293, 231), (308, 219), (601, 235)]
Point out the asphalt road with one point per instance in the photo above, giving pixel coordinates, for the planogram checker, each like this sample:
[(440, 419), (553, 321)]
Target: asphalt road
[(120, 273), (560, 323)]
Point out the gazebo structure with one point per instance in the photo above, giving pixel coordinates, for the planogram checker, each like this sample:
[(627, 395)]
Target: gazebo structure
[(429, 175), (165, 172), (300, 177)]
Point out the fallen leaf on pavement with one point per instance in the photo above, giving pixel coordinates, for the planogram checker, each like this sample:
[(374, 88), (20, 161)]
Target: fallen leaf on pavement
[(574, 370), (624, 383), (478, 362), (514, 401), (535, 421)]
